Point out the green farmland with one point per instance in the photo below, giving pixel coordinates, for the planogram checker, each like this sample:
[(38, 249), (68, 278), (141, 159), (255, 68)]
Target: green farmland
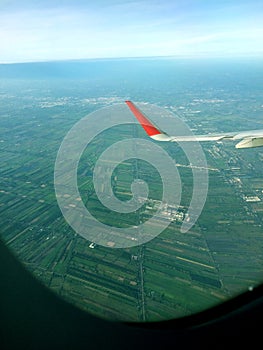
[(174, 275)]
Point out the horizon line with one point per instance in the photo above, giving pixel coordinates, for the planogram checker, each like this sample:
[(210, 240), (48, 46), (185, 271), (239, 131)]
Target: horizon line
[(171, 57)]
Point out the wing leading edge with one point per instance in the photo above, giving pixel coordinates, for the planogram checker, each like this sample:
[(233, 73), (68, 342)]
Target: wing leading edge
[(248, 139)]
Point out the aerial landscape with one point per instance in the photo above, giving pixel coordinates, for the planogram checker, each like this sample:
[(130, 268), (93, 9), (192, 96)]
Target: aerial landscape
[(177, 273)]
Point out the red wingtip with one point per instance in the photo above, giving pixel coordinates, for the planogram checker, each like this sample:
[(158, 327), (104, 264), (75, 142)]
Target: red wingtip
[(150, 129)]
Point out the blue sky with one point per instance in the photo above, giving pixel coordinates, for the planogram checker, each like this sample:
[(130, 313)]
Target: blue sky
[(41, 30)]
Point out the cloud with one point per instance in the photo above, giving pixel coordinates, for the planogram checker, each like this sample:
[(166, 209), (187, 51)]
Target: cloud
[(125, 29)]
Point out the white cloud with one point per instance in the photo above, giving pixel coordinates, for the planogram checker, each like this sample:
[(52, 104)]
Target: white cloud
[(119, 31)]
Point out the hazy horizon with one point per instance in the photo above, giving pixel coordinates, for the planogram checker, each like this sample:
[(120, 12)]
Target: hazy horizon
[(124, 58)]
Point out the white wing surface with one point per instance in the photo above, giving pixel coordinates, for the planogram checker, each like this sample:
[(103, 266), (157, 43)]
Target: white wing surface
[(247, 139)]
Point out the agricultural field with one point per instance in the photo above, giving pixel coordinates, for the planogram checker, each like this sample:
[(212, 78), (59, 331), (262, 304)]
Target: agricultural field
[(174, 275)]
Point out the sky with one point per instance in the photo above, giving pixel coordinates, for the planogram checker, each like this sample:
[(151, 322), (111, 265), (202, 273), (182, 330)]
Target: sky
[(44, 30)]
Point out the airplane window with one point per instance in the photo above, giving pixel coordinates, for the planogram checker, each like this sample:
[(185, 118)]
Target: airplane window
[(133, 187)]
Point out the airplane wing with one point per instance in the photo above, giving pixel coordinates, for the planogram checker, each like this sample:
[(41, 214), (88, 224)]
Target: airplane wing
[(248, 139)]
